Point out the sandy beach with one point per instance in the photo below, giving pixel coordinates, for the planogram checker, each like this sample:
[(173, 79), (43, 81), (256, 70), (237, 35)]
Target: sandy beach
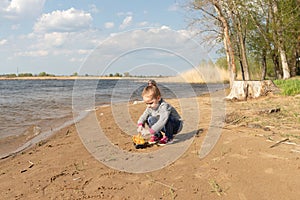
[(256, 157)]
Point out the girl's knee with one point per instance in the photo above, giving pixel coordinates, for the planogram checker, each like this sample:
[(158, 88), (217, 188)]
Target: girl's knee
[(151, 120)]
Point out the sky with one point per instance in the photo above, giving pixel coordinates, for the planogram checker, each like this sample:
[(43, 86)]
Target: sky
[(97, 37)]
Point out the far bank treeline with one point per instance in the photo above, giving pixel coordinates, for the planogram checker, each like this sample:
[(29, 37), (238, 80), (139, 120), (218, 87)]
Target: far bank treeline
[(261, 39), (75, 74), (42, 74)]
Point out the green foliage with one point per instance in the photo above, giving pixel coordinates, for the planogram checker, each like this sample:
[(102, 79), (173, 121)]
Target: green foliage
[(25, 75), (222, 63), (42, 74), (258, 32), (118, 75), (289, 87), (9, 75), (45, 74), (75, 74)]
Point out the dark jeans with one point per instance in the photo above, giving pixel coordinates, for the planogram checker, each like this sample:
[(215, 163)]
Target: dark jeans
[(171, 127)]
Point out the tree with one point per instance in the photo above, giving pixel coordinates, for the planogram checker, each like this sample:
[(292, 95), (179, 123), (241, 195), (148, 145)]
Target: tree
[(278, 36), (239, 30), (264, 31), (75, 74), (43, 74), (126, 74), (267, 30), (213, 9), (118, 74)]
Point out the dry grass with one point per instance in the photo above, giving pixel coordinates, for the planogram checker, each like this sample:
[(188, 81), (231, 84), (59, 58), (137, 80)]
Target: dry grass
[(202, 74)]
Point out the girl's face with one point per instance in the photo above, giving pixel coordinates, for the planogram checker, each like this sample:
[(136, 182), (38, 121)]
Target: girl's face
[(151, 102)]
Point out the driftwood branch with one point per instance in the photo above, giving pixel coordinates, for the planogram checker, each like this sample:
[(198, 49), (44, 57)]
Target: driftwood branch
[(278, 143)]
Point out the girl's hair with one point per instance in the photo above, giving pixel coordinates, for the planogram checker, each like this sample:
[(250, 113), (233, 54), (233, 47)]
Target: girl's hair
[(151, 90), (152, 82)]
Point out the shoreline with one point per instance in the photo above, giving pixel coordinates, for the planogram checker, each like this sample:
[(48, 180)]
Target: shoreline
[(43, 136)]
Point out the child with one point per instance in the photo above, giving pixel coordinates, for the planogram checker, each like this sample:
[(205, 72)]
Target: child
[(160, 116)]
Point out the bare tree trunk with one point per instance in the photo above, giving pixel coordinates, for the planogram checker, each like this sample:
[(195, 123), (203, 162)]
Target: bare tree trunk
[(236, 18), (294, 65), (228, 60), (264, 34), (244, 57), (293, 60), (297, 57), (264, 64), (285, 66), (279, 40), (241, 64), (275, 60), (240, 59), (227, 43)]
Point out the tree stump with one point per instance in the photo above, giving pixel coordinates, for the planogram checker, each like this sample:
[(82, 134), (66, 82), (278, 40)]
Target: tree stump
[(243, 90)]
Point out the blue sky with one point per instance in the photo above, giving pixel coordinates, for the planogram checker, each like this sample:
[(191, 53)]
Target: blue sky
[(97, 37)]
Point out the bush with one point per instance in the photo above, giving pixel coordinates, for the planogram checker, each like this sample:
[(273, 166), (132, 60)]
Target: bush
[(45, 74), (25, 75)]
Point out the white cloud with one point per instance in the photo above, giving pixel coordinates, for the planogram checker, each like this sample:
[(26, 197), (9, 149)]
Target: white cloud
[(109, 25), (84, 51), (173, 50), (126, 22), (70, 20), (20, 9), (124, 13), (33, 53), (63, 43), (157, 36), (55, 39), (153, 45), (3, 42), (77, 60), (144, 23)]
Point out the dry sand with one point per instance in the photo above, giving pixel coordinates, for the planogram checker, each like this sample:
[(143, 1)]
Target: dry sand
[(256, 157)]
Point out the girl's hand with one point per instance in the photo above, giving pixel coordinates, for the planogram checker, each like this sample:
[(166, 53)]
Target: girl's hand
[(145, 132), (140, 129)]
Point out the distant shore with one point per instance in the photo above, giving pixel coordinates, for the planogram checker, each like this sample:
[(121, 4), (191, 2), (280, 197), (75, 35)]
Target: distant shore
[(60, 77), (194, 75), (158, 79), (83, 78)]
